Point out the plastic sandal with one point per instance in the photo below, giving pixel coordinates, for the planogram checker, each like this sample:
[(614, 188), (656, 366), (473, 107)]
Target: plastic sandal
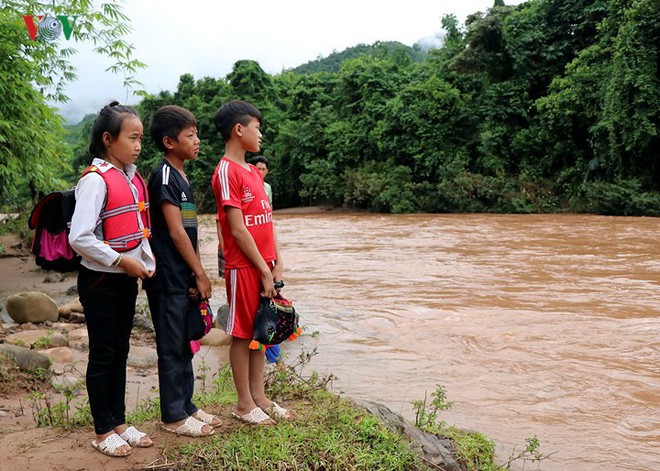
[(134, 437), (278, 412), (110, 445), (190, 428), (255, 417), (208, 419)]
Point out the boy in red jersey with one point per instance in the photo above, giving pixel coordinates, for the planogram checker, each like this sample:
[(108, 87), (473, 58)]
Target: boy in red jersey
[(252, 259)]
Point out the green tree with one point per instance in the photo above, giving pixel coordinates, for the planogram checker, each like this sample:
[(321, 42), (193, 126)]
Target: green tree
[(33, 155)]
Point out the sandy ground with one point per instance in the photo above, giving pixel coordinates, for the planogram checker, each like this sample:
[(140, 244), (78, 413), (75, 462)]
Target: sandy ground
[(23, 446)]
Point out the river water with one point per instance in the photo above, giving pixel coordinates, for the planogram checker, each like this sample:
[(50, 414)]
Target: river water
[(545, 325)]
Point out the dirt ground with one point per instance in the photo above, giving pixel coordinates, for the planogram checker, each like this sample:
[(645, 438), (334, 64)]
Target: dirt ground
[(23, 446)]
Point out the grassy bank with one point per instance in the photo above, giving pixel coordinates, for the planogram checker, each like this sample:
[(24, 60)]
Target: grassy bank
[(328, 433)]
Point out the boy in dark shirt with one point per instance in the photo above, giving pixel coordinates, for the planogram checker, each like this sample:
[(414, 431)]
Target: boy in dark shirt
[(179, 274)]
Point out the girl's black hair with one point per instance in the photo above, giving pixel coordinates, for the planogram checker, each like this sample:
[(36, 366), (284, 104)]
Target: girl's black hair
[(109, 120)]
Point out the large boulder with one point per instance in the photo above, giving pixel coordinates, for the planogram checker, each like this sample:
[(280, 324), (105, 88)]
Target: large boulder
[(436, 451), (25, 358), (31, 306)]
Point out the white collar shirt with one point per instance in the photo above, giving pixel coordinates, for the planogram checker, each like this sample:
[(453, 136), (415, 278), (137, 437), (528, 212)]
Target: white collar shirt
[(86, 235)]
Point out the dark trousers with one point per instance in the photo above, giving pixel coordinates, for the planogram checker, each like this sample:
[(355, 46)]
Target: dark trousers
[(176, 379), (109, 303)]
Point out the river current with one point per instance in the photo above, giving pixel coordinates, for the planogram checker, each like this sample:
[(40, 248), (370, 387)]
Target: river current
[(536, 325)]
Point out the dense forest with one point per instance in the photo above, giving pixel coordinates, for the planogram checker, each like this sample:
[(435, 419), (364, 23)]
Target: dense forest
[(548, 106)]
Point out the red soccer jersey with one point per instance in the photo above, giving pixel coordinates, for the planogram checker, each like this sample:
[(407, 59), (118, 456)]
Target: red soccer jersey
[(238, 187)]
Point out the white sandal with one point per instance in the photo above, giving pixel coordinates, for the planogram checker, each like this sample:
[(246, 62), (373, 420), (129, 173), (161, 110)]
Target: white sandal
[(190, 428), (255, 417), (278, 412), (207, 418), (133, 437), (110, 444)]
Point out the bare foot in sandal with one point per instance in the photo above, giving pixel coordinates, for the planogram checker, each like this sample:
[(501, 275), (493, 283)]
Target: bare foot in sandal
[(255, 417), (133, 436), (111, 444), (190, 427), (209, 419)]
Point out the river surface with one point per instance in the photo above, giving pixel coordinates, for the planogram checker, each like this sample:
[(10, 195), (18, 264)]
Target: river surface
[(545, 325)]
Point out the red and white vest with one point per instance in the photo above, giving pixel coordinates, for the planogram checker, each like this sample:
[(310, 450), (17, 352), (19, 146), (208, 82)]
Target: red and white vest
[(121, 213)]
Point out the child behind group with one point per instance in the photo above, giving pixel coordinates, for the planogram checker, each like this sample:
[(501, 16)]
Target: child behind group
[(115, 252), (252, 257), (180, 279), (273, 353)]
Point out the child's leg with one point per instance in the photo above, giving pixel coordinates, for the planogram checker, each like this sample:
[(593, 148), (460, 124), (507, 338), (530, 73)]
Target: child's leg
[(257, 388), (98, 295), (174, 356), (243, 288), (239, 357), (127, 288)]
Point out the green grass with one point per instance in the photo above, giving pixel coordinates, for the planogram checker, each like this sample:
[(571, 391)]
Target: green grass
[(46, 341), (328, 433)]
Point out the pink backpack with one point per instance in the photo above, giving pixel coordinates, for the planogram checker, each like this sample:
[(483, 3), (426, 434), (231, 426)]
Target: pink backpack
[(51, 222)]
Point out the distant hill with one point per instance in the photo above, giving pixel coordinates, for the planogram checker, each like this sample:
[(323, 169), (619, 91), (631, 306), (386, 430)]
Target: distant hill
[(76, 131), (392, 49)]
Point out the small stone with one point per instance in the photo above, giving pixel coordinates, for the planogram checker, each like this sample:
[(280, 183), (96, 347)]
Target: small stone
[(66, 382), (54, 278), (59, 354), (142, 357), (216, 337), (143, 323), (79, 335), (76, 318), (221, 317), (72, 306)]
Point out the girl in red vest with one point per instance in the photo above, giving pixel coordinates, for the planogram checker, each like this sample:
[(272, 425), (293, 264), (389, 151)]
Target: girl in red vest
[(109, 229)]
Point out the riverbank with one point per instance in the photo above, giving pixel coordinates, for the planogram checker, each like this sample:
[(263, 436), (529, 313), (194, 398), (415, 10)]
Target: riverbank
[(329, 432)]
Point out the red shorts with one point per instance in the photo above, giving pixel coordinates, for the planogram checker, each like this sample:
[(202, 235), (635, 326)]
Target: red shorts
[(243, 294)]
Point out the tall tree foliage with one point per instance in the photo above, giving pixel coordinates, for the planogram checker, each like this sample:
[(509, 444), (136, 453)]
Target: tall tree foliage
[(550, 105), (33, 157)]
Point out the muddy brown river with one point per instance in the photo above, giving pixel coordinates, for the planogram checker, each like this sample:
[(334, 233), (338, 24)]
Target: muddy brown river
[(545, 325)]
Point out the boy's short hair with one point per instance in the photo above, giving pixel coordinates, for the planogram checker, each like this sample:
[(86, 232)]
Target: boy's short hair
[(232, 113), (259, 159), (169, 121)]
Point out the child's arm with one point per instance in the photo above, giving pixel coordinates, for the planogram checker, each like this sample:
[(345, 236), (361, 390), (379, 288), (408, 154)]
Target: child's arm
[(221, 246), (172, 215), (218, 229), (278, 270), (246, 243)]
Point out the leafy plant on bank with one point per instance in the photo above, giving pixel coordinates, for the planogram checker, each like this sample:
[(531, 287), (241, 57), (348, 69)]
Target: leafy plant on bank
[(475, 450)]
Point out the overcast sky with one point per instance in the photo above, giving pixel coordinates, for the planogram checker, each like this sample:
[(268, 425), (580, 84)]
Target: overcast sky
[(206, 38)]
